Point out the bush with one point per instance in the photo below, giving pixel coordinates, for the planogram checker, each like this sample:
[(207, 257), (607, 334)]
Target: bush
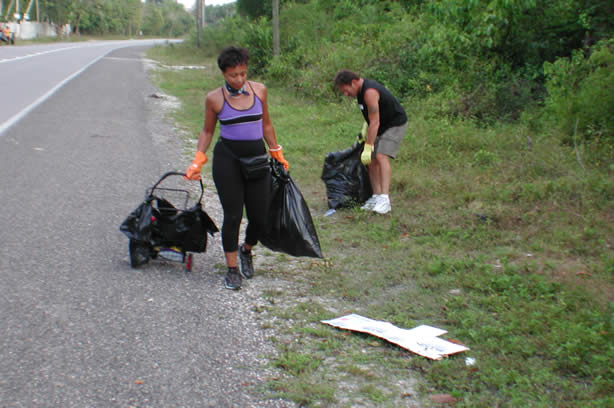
[(228, 31), (581, 93)]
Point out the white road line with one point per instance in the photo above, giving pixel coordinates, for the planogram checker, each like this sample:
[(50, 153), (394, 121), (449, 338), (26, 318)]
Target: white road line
[(17, 117), (38, 54)]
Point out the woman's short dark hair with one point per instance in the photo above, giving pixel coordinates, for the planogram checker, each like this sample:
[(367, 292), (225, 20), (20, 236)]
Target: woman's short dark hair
[(345, 77), (231, 57)]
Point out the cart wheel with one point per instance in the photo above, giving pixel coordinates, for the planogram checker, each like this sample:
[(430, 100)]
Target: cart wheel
[(188, 262), (139, 253)]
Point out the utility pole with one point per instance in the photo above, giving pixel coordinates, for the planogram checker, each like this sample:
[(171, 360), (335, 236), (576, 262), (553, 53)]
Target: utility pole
[(276, 51), (199, 26)]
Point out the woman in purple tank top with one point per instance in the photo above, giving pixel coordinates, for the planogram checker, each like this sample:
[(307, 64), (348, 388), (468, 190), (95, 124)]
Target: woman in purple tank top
[(241, 108)]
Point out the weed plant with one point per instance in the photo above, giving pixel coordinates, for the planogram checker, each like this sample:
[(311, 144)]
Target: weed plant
[(503, 236)]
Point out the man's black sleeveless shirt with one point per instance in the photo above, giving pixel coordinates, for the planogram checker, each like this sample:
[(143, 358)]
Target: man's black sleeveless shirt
[(391, 113)]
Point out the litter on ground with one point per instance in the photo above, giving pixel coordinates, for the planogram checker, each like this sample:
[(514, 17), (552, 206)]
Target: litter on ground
[(422, 340)]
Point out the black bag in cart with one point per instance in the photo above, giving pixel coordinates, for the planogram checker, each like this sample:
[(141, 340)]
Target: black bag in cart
[(157, 226), (291, 227)]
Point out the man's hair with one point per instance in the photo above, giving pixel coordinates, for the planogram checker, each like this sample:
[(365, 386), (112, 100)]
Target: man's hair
[(231, 57), (345, 77)]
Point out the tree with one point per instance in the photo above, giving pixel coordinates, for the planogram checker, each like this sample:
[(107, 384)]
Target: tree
[(276, 50), (216, 13), (251, 8), (58, 12), (165, 18)]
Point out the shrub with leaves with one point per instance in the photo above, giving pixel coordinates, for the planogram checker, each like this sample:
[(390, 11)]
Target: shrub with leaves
[(581, 93)]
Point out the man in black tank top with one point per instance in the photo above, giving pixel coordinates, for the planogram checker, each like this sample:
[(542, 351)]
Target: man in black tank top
[(385, 127)]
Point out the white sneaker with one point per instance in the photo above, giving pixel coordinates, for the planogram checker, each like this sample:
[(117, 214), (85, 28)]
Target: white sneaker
[(382, 206), (370, 203)]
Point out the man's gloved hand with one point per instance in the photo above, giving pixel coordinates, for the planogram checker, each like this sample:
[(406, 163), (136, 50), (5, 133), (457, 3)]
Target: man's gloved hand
[(193, 172), (367, 151), (277, 154), (362, 136)]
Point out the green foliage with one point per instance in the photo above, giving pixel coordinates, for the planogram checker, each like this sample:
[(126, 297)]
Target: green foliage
[(251, 8), (167, 19), (486, 57), (57, 11), (258, 40), (581, 94), (297, 363), (256, 36), (214, 14), (127, 17), (228, 31)]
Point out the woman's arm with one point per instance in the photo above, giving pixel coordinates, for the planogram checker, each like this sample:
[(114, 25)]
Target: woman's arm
[(212, 107), (268, 131), (211, 111), (267, 126)]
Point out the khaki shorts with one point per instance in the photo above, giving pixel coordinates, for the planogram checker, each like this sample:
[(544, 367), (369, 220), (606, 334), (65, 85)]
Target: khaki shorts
[(388, 143)]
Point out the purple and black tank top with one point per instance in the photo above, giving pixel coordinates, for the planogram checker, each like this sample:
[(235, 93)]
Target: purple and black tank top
[(237, 124)]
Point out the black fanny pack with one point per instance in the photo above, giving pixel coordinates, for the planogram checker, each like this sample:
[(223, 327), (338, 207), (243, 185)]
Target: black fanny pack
[(252, 167), (255, 167)]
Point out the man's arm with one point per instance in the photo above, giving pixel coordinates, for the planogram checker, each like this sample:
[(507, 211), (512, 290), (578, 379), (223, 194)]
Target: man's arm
[(372, 102)]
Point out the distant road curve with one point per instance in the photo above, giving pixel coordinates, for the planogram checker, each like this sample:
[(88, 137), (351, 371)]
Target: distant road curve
[(30, 74)]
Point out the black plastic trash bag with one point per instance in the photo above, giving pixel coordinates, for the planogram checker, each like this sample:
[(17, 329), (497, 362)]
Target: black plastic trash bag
[(346, 178), (156, 223), (291, 226)]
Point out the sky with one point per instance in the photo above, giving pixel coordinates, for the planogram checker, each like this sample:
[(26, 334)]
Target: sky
[(188, 4)]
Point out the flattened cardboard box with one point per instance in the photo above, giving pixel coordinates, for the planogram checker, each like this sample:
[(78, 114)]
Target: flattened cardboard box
[(422, 340)]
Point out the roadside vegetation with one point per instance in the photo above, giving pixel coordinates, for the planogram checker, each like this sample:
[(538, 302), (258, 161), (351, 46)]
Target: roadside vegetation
[(502, 228), (119, 18)]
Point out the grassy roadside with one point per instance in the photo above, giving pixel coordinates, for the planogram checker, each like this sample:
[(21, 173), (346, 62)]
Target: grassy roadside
[(501, 236)]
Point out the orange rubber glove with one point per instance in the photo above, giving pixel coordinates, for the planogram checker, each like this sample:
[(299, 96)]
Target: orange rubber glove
[(278, 155), (193, 172)]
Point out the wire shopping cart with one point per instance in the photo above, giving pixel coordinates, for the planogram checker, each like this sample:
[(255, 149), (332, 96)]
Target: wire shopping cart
[(164, 227)]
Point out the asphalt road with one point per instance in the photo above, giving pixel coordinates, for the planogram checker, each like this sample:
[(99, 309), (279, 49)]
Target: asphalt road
[(30, 74), (78, 326)]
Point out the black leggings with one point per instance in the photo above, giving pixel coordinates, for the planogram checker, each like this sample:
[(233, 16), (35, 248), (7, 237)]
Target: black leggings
[(235, 192)]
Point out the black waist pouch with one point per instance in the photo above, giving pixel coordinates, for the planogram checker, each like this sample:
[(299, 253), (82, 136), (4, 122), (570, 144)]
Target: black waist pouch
[(255, 167)]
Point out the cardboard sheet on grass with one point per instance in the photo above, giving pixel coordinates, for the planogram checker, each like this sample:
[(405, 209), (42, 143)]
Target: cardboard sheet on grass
[(422, 340)]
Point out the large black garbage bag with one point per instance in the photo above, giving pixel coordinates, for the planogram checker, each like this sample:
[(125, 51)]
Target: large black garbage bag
[(157, 222), (291, 226), (346, 178)]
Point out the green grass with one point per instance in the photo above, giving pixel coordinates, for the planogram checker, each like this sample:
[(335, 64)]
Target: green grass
[(497, 235)]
